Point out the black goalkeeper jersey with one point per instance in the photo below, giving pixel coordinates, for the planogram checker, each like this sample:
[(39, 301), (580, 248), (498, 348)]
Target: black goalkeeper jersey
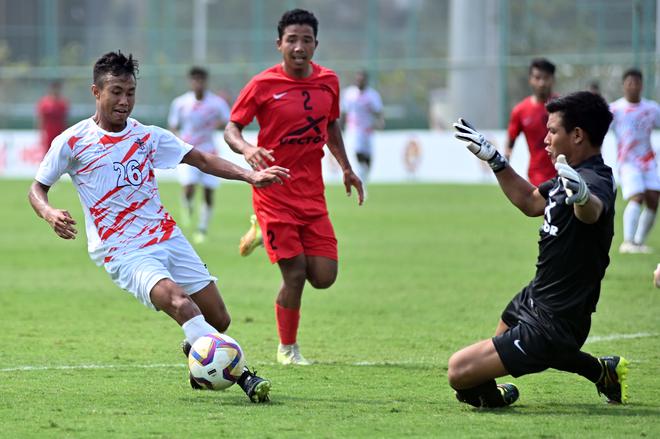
[(573, 255)]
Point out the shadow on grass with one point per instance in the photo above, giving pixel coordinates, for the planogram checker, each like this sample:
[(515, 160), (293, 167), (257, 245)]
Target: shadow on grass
[(577, 409)]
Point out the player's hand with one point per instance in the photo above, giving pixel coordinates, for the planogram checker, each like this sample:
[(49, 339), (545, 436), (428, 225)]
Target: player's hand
[(478, 145), (268, 176), (352, 180), (575, 187), (62, 223), (258, 158)]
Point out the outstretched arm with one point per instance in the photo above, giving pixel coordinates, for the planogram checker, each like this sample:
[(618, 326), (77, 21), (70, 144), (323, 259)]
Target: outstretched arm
[(60, 220), (336, 146), (522, 194), (214, 165), (256, 156)]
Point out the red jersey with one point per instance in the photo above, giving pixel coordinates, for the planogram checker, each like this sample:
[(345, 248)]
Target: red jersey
[(52, 113), (530, 118), (293, 116)]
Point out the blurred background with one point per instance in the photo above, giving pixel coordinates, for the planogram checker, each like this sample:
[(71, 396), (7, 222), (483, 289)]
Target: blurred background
[(429, 59)]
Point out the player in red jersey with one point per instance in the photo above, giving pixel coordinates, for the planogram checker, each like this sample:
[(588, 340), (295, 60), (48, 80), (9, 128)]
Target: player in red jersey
[(530, 117), (52, 113), (296, 104)]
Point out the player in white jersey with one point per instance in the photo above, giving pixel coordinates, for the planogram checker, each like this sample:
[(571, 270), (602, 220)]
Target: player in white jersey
[(634, 120), (111, 158), (362, 111), (195, 116)]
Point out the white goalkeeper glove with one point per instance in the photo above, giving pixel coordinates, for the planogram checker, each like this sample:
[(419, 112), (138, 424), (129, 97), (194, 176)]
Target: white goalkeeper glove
[(575, 187), (478, 145)]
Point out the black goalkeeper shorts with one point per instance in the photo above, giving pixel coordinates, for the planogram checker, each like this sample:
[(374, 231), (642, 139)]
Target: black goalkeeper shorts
[(537, 340)]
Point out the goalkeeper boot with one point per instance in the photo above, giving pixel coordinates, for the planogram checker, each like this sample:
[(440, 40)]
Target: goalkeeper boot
[(612, 383), (255, 387), (185, 347), (509, 393), (290, 354), (252, 238)]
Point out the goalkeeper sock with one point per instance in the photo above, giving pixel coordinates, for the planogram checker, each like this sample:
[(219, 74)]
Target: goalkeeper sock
[(483, 395), (287, 323), (584, 365), (197, 327)]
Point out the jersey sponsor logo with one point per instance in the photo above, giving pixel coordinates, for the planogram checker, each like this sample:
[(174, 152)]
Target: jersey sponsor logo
[(298, 136), (278, 96), (516, 343), (547, 216)]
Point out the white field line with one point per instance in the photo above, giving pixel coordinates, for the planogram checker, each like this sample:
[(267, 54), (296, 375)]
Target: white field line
[(592, 339), (597, 338)]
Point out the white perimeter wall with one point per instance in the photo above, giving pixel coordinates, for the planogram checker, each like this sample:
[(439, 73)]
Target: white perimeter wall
[(399, 156)]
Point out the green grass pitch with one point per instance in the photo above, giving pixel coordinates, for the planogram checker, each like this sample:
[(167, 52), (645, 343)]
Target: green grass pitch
[(424, 271)]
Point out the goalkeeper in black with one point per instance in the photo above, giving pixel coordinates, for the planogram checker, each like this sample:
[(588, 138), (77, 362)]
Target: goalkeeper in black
[(545, 325)]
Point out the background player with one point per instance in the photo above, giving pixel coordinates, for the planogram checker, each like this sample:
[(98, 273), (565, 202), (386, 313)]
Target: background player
[(546, 324), (634, 120), (52, 114), (529, 116), (296, 104), (111, 160), (362, 113), (197, 114)]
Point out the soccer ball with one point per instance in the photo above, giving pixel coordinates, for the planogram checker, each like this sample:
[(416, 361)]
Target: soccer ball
[(216, 361)]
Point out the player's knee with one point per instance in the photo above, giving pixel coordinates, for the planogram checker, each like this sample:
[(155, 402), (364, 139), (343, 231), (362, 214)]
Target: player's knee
[(323, 281), (456, 371)]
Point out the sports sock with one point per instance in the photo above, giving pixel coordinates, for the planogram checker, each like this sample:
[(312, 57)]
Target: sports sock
[(363, 172), (584, 365), (483, 395), (197, 327), (630, 220), (646, 220), (287, 323), (204, 217)]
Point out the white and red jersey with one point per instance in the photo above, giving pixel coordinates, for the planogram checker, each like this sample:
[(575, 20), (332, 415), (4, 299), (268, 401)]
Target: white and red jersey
[(361, 108), (114, 176), (198, 120), (632, 125)]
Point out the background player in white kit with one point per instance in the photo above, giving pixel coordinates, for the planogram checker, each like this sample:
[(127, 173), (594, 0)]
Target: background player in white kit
[(195, 116), (111, 160), (634, 120), (362, 111)]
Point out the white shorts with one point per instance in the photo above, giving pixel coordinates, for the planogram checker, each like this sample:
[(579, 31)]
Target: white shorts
[(636, 181), (173, 259), (360, 141), (191, 175)]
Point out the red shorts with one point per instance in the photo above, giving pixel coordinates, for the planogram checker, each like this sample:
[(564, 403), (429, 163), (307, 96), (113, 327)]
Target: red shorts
[(286, 238)]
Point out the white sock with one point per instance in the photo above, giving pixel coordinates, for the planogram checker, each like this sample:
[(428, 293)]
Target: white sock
[(187, 205), (197, 327), (630, 220), (646, 220), (204, 217), (363, 172)]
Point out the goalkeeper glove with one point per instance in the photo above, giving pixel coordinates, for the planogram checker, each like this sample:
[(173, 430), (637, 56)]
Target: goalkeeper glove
[(575, 187), (478, 145)]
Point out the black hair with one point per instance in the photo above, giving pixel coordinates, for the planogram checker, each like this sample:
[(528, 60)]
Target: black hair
[(116, 64), (297, 16), (585, 110), (198, 71), (632, 72), (543, 65)]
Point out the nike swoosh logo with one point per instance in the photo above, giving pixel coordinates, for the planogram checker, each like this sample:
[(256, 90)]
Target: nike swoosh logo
[(277, 96), (516, 343)]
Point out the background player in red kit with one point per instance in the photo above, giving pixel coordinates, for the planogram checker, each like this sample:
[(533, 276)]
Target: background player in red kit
[(52, 114), (529, 116), (296, 104)]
